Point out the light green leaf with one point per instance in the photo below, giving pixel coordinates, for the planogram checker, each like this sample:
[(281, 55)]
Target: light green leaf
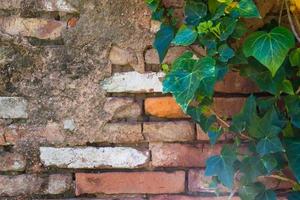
[(248, 9), (295, 57), (185, 36), (271, 48), (293, 155), (163, 40), (184, 81), (222, 166), (194, 12)]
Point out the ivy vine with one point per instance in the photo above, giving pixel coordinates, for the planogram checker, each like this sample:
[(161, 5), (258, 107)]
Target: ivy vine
[(266, 133)]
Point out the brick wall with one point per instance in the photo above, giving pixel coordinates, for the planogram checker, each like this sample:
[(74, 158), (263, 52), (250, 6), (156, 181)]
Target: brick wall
[(81, 108)]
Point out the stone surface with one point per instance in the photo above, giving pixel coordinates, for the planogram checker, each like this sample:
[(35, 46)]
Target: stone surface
[(12, 162), (164, 107), (151, 56), (56, 5), (121, 108), (169, 131), (130, 183), (120, 56), (13, 107), (59, 183), (20, 185), (32, 27), (69, 124), (10, 4), (181, 155), (133, 82), (234, 83), (119, 133), (92, 157)]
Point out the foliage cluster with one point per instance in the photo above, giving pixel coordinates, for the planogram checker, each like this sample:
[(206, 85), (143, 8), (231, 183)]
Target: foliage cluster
[(266, 133)]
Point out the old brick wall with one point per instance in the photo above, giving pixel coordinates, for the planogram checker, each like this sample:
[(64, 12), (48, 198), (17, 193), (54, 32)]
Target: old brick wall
[(82, 110)]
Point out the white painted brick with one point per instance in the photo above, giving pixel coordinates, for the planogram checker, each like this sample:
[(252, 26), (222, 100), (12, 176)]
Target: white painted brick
[(134, 82), (13, 107), (92, 157)]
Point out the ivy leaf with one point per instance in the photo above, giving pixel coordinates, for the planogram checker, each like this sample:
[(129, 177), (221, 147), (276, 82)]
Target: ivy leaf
[(198, 116), (252, 167), (295, 57), (294, 196), (292, 151), (225, 52), (266, 195), (222, 166), (194, 12), (250, 191), (270, 49), (153, 4), (248, 9), (227, 27), (269, 145), (185, 36), (214, 134), (184, 81), (293, 109), (269, 162), (241, 121), (240, 30), (163, 40)]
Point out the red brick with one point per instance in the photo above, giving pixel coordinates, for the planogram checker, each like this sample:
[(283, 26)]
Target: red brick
[(182, 197), (227, 107), (169, 131), (12, 162), (234, 83), (130, 183), (164, 107), (181, 155)]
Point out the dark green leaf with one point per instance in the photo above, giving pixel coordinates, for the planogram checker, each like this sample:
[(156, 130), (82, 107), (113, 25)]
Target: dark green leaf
[(252, 167), (227, 27), (250, 191), (225, 52), (247, 9), (292, 151), (269, 162), (153, 4), (295, 57), (271, 48), (293, 109), (198, 116), (222, 166), (269, 145), (163, 40), (194, 12), (294, 196), (266, 195), (185, 36), (240, 30), (214, 134), (184, 81)]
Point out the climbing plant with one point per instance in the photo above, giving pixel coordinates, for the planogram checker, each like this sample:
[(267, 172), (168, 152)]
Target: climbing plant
[(265, 135)]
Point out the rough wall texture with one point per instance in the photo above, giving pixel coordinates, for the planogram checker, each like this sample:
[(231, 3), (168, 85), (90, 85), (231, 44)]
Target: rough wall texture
[(82, 115)]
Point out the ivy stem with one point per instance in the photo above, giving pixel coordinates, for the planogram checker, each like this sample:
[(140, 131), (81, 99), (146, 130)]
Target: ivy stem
[(281, 11), (282, 178), (291, 21)]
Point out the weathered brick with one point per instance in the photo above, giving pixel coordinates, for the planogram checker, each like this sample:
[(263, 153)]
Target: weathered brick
[(59, 184), (133, 82), (182, 197), (55, 5), (2, 139), (198, 182), (201, 135), (119, 133), (155, 26), (113, 198), (169, 131), (13, 107), (92, 157), (130, 183), (20, 185), (181, 155), (10, 4), (234, 83), (151, 55), (164, 107), (12, 162), (32, 27), (121, 108)]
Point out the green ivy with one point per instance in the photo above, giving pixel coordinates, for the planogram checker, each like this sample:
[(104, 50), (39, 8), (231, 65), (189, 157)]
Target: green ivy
[(266, 133)]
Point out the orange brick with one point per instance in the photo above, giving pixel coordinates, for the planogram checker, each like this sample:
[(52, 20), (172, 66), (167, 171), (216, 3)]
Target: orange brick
[(164, 107), (130, 183)]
